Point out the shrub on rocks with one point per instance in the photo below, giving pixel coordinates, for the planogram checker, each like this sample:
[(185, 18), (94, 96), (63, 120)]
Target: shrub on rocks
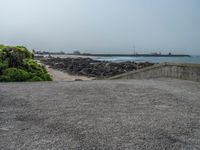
[(16, 74), (17, 64), (36, 78), (4, 78)]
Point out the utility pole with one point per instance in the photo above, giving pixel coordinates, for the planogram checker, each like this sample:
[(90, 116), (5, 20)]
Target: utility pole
[(134, 52)]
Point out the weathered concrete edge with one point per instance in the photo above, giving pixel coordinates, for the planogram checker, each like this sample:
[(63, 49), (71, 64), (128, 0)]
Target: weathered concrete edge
[(172, 70), (137, 71)]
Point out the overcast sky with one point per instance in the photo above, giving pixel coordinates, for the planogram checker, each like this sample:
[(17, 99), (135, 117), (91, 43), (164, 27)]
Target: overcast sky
[(102, 26)]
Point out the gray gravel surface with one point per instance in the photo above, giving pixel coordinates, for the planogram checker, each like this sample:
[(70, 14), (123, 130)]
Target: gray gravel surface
[(130, 114)]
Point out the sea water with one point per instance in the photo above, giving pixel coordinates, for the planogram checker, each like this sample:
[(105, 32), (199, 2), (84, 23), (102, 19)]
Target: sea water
[(192, 59)]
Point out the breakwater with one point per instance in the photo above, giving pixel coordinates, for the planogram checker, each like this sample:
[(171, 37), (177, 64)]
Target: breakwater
[(136, 55)]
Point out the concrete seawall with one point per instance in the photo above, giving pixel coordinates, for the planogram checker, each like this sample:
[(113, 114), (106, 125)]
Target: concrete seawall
[(169, 70)]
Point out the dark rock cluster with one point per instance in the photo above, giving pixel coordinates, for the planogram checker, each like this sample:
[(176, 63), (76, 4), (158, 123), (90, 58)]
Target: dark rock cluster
[(92, 68)]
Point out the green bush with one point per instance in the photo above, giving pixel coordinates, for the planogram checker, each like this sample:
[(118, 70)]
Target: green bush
[(4, 78), (2, 46), (1, 52), (25, 51), (36, 78), (16, 75), (14, 56), (36, 69), (2, 67), (17, 64)]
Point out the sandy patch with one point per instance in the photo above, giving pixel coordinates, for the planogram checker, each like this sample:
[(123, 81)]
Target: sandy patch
[(58, 75)]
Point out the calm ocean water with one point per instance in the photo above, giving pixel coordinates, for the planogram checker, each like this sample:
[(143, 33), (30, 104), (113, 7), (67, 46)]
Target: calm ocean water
[(192, 59)]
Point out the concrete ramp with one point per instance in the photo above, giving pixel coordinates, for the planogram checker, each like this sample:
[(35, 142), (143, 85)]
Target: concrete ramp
[(169, 70)]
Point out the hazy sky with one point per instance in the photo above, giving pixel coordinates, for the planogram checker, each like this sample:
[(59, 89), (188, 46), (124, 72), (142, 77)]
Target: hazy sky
[(102, 26)]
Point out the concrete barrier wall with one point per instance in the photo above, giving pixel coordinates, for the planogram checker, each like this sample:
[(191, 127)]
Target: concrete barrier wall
[(180, 71)]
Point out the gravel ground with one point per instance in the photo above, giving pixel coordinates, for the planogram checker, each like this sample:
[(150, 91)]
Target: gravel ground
[(130, 114)]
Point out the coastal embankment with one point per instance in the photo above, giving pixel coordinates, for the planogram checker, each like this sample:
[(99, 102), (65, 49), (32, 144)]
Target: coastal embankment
[(169, 70)]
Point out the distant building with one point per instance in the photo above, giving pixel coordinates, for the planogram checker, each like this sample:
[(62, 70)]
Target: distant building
[(76, 53), (156, 53)]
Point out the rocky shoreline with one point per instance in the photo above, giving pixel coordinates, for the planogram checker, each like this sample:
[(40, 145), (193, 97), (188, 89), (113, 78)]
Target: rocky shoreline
[(92, 68)]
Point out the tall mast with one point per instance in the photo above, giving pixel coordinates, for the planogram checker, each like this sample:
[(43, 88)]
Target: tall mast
[(134, 52)]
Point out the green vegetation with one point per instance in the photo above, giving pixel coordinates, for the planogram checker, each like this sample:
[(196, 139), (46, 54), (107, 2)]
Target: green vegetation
[(17, 65)]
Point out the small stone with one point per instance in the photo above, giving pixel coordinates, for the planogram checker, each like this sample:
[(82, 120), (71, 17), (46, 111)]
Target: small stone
[(78, 80), (4, 129)]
